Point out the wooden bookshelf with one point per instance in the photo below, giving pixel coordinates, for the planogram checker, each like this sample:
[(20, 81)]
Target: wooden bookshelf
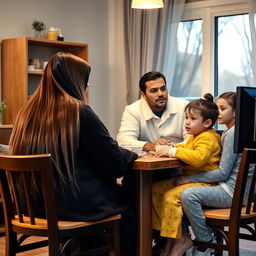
[(18, 83)]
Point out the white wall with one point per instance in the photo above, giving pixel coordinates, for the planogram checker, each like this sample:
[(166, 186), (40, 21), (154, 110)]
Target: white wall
[(83, 21)]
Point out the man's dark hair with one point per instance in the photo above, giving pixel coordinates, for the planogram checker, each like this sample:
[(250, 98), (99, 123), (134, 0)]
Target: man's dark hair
[(149, 76)]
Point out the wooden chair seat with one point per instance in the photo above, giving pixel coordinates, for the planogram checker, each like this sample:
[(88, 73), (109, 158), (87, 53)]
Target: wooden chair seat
[(42, 224), (224, 214), (67, 238)]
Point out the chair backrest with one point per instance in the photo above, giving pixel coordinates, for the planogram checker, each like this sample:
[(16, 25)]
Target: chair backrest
[(5, 133), (247, 165), (17, 191)]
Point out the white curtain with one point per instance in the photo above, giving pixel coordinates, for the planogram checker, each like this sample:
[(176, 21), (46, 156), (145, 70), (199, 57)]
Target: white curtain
[(150, 36), (252, 21)]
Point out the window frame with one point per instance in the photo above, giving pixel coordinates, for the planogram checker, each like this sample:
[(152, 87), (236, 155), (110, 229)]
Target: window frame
[(208, 10)]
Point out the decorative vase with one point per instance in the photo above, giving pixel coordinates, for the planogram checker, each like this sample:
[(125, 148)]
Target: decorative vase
[(38, 34)]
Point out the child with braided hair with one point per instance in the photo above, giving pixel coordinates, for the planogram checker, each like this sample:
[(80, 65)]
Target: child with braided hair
[(201, 152)]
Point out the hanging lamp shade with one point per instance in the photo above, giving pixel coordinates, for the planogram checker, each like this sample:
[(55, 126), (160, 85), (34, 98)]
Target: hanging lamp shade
[(147, 4)]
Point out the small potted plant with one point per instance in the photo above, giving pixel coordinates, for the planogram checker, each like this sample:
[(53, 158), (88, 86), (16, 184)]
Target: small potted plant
[(3, 107), (38, 27)]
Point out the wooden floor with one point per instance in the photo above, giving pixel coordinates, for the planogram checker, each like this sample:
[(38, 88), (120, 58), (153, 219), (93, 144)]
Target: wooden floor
[(250, 246), (37, 252)]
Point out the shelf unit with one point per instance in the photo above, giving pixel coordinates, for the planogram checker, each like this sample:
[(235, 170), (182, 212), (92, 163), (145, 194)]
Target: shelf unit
[(17, 81)]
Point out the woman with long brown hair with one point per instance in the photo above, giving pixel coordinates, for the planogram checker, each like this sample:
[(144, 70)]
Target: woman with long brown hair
[(87, 160)]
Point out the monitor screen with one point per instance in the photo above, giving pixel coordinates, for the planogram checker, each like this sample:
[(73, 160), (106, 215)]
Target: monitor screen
[(245, 124)]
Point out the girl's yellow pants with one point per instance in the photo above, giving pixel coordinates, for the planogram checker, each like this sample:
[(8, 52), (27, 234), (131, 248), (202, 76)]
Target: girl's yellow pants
[(167, 209)]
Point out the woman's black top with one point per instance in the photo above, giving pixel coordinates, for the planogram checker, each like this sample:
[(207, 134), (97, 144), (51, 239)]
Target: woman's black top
[(99, 162)]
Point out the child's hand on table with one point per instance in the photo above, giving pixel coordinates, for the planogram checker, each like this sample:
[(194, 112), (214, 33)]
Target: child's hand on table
[(161, 152)]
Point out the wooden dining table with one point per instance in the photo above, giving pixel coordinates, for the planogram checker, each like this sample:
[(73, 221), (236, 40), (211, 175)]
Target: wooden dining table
[(144, 167)]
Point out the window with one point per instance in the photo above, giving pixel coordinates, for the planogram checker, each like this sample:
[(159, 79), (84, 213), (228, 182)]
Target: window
[(187, 74), (234, 51), (213, 53)]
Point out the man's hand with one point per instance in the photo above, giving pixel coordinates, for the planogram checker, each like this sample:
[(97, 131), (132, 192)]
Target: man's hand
[(151, 146), (184, 179), (163, 142)]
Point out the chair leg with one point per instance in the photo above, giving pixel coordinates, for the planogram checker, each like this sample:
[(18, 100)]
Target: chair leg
[(219, 239), (115, 251), (53, 247), (10, 243), (233, 245)]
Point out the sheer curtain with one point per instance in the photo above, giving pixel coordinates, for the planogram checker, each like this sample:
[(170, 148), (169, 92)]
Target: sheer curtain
[(252, 21), (150, 36)]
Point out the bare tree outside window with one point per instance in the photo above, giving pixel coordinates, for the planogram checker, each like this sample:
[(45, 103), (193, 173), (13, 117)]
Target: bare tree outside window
[(234, 56), (187, 75), (234, 53)]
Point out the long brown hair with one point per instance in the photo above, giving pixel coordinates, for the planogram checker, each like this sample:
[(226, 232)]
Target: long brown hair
[(49, 122)]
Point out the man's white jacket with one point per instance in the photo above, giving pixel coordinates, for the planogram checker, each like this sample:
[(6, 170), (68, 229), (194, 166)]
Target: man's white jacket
[(139, 125)]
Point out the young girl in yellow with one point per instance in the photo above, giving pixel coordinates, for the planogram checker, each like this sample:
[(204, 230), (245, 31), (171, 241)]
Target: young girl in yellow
[(201, 151)]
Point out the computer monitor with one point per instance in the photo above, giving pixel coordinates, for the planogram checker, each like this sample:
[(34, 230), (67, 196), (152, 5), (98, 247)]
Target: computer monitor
[(245, 124)]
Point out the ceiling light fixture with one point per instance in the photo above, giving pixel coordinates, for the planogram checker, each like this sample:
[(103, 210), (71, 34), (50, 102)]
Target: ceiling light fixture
[(147, 4)]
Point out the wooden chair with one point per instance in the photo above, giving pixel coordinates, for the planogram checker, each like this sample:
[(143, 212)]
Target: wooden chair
[(15, 176), (5, 132), (238, 217)]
